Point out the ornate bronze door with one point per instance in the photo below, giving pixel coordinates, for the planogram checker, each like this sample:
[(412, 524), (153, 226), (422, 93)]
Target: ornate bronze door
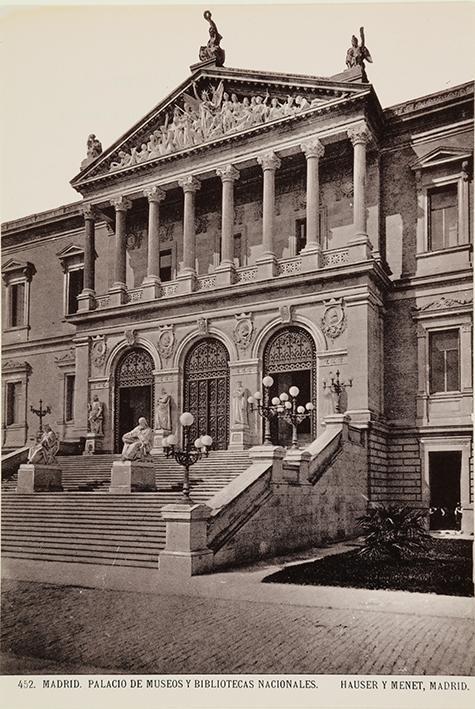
[(290, 359), (133, 393), (206, 393)]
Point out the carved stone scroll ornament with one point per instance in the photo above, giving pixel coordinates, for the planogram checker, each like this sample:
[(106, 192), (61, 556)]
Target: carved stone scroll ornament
[(130, 337), (243, 330), (98, 350), (285, 312), (202, 325), (166, 341), (334, 319)]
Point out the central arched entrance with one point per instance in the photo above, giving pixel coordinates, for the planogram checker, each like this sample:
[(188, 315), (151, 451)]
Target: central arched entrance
[(133, 392), (206, 391), (290, 359)]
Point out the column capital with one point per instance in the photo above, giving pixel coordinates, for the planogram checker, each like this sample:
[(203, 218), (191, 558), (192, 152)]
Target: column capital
[(359, 134), (154, 193), (228, 173), (189, 183), (313, 148), (121, 204), (269, 161), (88, 211)]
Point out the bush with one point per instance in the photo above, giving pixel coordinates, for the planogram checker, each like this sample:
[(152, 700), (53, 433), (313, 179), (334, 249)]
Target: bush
[(392, 531)]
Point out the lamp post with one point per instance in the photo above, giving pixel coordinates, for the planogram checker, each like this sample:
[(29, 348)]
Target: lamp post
[(337, 387), (41, 413), (292, 413), (190, 453), (283, 406)]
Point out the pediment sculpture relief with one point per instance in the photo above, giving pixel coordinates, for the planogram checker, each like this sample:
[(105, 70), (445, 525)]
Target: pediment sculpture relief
[(208, 114)]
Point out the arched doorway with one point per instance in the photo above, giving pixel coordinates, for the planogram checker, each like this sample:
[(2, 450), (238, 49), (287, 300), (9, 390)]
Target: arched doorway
[(133, 392), (290, 358), (206, 390)]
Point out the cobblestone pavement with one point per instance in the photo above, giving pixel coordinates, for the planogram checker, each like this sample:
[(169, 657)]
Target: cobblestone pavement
[(133, 632)]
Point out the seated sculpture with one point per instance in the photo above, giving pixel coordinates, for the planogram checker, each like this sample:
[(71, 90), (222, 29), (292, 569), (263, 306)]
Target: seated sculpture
[(44, 452), (138, 442)]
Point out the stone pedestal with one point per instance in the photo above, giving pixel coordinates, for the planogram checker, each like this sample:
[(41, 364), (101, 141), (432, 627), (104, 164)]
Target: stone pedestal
[(337, 421), (359, 249), (295, 466), (86, 301), (151, 288), (186, 553), (186, 282), (94, 444), (239, 438), (39, 478), (159, 436), (272, 455), (312, 258), (118, 295), (225, 274), (132, 476), (267, 267)]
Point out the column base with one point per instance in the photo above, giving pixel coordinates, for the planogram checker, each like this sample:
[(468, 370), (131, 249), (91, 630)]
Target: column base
[(186, 281), (239, 439), (39, 478), (86, 301), (151, 288), (225, 274), (94, 444), (267, 266), (118, 294), (312, 258), (130, 476), (360, 248)]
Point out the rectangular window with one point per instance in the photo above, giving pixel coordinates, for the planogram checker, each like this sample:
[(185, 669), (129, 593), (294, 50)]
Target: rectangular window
[(166, 265), (17, 304), (444, 361), (443, 219), (237, 250), (75, 286), (300, 235), (69, 402), (12, 404)]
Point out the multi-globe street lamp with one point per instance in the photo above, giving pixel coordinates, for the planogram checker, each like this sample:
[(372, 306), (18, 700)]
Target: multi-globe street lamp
[(283, 406), (190, 453)]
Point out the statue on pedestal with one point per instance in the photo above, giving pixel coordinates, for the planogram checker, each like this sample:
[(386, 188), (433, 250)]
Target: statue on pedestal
[(212, 49), (164, 411), (96, 416), (44, 452), (358, 54), (239, 405), (93, 150), (138, 442)]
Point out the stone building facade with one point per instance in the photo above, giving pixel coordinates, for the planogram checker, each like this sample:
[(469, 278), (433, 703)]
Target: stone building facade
[(235, 232)]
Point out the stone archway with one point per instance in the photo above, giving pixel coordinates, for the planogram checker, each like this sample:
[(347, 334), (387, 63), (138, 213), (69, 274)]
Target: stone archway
[(290, 359), (206, 390), (134, 396)]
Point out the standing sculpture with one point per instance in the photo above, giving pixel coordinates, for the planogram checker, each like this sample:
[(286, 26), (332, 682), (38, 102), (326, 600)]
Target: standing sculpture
[(164, 412), (239, 405), (358, 54), (96, 416), (138, 442), (93, 150), (212, 49), (44, 452)]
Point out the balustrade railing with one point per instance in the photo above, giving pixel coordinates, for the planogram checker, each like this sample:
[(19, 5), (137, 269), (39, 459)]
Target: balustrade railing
[(335, 257), (289, 266)]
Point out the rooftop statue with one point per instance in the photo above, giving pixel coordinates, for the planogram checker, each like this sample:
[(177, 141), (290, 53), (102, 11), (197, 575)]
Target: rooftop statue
[(212, 49), (358, 54), (93, 150)]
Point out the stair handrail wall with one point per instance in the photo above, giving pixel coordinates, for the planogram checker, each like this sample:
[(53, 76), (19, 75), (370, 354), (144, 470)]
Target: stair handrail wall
[(12, 461)]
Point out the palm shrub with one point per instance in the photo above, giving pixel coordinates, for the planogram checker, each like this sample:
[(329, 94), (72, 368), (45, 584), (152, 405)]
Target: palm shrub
[(392, 531)]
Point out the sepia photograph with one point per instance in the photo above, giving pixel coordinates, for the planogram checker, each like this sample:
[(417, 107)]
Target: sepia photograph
[(237, 394)]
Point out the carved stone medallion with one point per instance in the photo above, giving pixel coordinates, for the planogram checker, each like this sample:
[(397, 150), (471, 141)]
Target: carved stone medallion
[(130, 337), (98, 350), (166, 341), (243, 330), (334, 319)]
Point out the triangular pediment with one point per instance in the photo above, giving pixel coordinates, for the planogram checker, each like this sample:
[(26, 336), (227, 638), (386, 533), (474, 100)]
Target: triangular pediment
[(14, 268), (439, 156), (70, 252), (218, 104)]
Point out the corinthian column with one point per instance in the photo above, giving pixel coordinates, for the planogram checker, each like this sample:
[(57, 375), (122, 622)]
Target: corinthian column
[(269, 162), (360, 246), (86, 299), (225, 271), (187, 275), (119, 288), (312, 253), (151, 282)]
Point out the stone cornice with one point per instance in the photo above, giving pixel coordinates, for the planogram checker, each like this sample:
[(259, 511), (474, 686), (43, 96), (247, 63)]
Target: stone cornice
[(408, 109)]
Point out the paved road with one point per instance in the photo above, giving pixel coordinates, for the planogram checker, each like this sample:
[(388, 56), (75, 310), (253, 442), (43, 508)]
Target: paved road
[(130, 632)]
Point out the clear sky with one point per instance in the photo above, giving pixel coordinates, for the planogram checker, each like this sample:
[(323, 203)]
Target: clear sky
[(72, 71)]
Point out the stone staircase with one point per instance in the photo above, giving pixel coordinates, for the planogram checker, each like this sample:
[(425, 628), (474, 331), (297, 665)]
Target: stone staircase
[(86, 524)]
